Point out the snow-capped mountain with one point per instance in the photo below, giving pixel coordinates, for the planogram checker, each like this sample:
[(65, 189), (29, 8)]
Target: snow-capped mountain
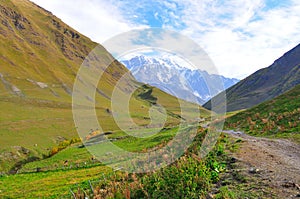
[(175, 77)]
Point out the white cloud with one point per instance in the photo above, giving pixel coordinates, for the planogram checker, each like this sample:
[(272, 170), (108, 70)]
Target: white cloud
[(99, 20), (241, 36), (248, 38)]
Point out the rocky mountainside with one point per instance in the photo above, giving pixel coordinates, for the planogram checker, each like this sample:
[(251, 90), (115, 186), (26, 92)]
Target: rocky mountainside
[(174, 77), (264, 84), (40, 56), (39, 53)]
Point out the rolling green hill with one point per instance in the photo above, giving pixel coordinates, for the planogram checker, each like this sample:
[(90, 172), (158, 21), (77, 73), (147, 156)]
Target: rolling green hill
[(278, 117), (40, 57), (264, 84)]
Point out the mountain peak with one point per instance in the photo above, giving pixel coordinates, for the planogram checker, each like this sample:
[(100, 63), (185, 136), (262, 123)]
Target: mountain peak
[(175, 76), (166, 60)]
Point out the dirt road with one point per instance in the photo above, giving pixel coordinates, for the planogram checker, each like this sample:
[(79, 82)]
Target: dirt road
[(272, 161)]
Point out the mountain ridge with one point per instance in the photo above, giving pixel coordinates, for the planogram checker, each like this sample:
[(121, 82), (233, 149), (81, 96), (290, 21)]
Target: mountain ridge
[(175, 77), (264, 84)]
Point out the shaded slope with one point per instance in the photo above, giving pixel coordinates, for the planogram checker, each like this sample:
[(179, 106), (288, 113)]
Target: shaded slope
[(264, 84)]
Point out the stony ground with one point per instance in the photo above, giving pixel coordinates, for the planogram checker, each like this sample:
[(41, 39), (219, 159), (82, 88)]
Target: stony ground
[(273, 162)]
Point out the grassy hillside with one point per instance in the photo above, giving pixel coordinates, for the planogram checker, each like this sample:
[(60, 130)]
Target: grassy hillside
[(40, 57), (265, 84), (278, 117)]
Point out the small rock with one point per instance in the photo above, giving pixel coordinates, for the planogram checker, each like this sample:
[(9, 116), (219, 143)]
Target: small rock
[(108, 153), (254, 170), (30, 80), (15, 89), (233, 160), (288, 184), (42, 85), (210, 196)]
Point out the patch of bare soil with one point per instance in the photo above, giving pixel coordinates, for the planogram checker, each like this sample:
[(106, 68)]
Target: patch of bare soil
[(273, 162)]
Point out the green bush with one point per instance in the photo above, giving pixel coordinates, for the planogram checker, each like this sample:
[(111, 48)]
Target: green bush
[(187, 178)]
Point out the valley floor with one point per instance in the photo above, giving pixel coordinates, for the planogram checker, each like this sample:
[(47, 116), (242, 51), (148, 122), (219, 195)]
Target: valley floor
[(255, 168), (273, 163)]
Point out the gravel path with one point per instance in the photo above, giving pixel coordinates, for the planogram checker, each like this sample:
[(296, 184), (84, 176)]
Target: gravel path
[(275, 161)]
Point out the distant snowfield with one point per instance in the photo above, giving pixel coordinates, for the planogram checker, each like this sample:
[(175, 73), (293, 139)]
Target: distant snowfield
[(175, 75)]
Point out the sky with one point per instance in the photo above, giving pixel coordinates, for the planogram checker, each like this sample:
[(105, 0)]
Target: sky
[(240, 36)]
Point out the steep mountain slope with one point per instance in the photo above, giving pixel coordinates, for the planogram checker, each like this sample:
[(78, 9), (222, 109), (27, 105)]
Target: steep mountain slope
[(279, 117), (174, 77), (264, 84), (40, 56)]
